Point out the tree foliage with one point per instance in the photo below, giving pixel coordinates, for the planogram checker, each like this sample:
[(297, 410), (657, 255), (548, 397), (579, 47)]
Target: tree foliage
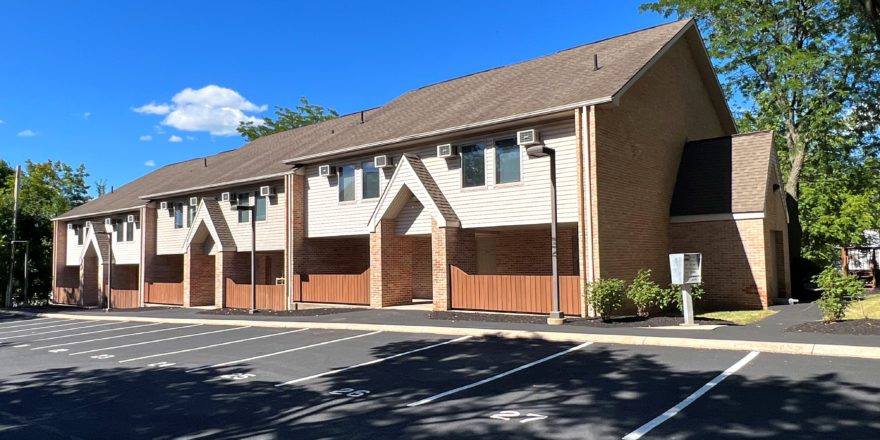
[(47, 189), (286, 119), (810, 71)]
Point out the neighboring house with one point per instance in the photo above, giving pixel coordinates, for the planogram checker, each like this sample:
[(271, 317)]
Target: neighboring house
[(433, 196)]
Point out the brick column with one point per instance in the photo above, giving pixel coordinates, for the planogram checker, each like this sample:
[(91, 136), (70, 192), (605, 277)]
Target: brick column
[(390, 267), (221, 261), (298, 253), (450, 246)]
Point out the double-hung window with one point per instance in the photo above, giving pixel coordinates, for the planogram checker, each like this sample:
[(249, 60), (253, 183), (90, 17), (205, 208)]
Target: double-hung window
[(346, 183), (260, 212), (178, 215), (191, 214), (129, 232), (369, 180), (79, 231), (473, 165), (119, 228), (507, 161), (244, 216)]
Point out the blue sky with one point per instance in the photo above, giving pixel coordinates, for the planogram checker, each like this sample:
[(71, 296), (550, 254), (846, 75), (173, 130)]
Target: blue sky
[(123, 86)]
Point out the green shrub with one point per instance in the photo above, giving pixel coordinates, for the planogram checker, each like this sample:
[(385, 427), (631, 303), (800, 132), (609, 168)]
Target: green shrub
[(606, 296), (645, 293), (837, 289), (672, 296)]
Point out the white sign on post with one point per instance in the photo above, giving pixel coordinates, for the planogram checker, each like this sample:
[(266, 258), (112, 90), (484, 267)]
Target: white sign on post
[(686, 270)]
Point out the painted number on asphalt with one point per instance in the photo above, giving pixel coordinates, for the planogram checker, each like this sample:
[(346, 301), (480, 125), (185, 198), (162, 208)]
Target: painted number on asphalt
[(161, 364), (513, 415), (350, 392), (237, 376), (58, 350), (103, 356)]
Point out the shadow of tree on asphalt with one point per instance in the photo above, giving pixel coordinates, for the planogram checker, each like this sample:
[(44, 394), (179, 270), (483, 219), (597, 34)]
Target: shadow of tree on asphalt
[(597, 392)]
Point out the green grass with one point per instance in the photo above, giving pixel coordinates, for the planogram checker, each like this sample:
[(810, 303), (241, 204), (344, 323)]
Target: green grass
[(741, 317), (871, 305)]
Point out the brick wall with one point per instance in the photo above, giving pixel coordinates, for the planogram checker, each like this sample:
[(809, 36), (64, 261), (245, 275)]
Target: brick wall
[(390, 267), (527, 251), (348, 255), (638, 147), (734, 271)]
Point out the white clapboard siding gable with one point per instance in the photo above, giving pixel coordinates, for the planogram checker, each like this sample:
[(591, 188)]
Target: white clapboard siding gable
[(413, 219), (411, 179), (209, 219)]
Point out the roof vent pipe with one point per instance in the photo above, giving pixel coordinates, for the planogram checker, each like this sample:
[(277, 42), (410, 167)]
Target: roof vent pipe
[(595, 61), (206, 162), (362, 117)]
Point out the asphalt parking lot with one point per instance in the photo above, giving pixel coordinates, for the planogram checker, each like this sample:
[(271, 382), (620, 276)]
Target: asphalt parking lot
[(87, 379)]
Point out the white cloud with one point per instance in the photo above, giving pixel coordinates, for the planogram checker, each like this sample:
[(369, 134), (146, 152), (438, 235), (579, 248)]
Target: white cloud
[(158, 129), (145, 138), (86, 115), (152, 109), (214, 109), (2, 121), (150, 163), (190, 138), (175, 138), (27, 133)]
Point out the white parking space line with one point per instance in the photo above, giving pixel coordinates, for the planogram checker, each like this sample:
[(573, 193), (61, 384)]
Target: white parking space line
[(115, 329), (57, 331), (158, 340), (291, 350), (498, 376), (33, 329), (21, 323), (372, 362), (211, 346), (117, 336), (671, 412)]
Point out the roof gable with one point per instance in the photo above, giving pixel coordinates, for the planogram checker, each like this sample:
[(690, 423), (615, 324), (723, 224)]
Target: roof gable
[(209, 215), (412, 179)]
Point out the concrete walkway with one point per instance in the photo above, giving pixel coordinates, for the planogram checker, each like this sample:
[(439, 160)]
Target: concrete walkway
[(768, 335)]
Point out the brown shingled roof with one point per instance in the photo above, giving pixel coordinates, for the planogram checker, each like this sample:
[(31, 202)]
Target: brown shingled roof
[(724, 175), (547, 84)]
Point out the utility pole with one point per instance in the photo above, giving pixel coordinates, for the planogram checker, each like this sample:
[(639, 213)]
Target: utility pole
[(8, 302)]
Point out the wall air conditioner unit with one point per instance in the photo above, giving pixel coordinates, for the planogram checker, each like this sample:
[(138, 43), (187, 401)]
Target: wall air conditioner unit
[(70, 226), (163, 205), (326, 171), (88, 225), (108, 221), (446, 150), (267, 191), (279, 280), (193, 201), (527, 137), (224, 197), (130, 218), (382, 161)]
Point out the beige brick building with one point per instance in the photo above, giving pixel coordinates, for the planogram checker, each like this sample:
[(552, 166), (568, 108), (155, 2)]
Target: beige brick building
[(433, 197)]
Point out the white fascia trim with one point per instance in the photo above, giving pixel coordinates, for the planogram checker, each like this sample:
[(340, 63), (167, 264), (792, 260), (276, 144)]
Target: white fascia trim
[(716, 217), (98, 213), (215, 185), (427, 134)]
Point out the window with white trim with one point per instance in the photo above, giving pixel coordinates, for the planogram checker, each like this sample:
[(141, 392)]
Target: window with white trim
[(244, 200), (260, 209), (473, 165), (346, 183), (369, 180), (178, 215), (508, 165)]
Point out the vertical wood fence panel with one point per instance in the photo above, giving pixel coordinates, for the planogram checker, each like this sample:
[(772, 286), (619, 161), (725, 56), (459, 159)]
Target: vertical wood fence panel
[(124, 299), (164, 293), (513, 293), (269, 296), (334, 289)]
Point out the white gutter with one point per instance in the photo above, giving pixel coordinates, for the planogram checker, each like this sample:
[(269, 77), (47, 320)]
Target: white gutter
[(94, 214), (428, 134)]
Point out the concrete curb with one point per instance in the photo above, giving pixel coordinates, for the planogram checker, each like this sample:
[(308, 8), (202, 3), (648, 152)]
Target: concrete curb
[(803, 349)]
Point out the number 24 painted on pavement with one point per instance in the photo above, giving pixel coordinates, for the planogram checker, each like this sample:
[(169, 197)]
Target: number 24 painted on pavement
[(507, 415)]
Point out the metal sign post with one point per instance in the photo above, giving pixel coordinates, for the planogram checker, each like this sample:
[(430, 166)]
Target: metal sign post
[(686, 270)]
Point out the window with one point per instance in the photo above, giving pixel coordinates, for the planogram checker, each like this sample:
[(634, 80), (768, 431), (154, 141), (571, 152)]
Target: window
[(79, 231), (129, 232), (244, 200), (191, 214), (346, 183), (473, 166), (260, 213), (370, 180), (119, 229), (178, 215), (507, 161)]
